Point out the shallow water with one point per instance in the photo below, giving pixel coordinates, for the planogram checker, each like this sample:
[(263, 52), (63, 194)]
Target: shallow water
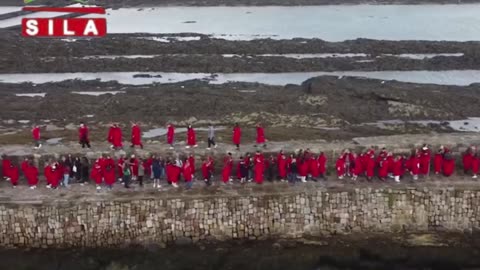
[(449, 77), (332, 23)]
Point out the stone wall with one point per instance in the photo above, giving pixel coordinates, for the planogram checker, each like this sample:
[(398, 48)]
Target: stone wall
[(193, 218)]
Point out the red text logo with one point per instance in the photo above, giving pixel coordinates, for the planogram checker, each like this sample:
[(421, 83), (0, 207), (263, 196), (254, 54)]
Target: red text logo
[(65, 27)]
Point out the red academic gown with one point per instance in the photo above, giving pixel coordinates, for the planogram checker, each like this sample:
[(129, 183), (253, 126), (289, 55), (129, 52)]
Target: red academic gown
[(96, 173), (260, 135), (120, 163), (176, 171), (6, 163), (237, 135), (358, 167), (170, 134), (31, 174), (147, 165), (83, 133), (322, 164), (24, 167), (302, 167), (259, 168), (187, 172), (340, 167), (205, 169), (108, 168), (467, 161), (115, 136), (390, 161), (448, 166), (398, 167), (282, 167), (48, 172), (14, 175), (58, 175), (191, 137), (36, 133), (383, 169), (136, 135), (475, 164), (227, 168), (169, 172), (437, 163), (415, 165), (425, 162), (370, 166), (191, 159), (314, 171), (134, 166)]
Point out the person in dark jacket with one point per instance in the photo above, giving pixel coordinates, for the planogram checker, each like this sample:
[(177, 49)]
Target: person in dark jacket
[(85, 170)]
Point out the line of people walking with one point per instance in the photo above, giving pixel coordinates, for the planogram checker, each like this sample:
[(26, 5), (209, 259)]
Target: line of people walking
[(115, 136), (301, 166)]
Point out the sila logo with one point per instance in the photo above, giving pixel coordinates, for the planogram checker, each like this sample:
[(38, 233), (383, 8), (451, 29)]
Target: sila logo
[(62, 27)]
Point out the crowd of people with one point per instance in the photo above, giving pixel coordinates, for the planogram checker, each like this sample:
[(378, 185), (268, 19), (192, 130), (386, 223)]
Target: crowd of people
[(301, 166), (115, 136)]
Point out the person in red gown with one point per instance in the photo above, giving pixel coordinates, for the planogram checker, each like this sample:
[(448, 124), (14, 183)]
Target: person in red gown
[(120, 163), (261, 136), (31, 173), (115, 136), (191, 158), (48, 172), (448, 165), (191, 137), (357, 166), (398, 168), (36, 136), (475, 164), (14, 175), (314, 170), (425, 157), (176, 172), (259, 167), (24, 166), (437, 161), (96, 173), (207, 170), (370, 163), (170, 135), (134, 163), (83, 134), (383, 169), (467, 160), (147, 165), (136, 138), (237, 136), (108, 168), (415, 165), (187, 171), (322, 165), (227, 168), (340, 167), (282, 166), (6, 162)]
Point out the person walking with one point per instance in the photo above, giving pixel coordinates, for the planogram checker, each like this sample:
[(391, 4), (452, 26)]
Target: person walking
[(83, 135), (141, 172), (211, 137)]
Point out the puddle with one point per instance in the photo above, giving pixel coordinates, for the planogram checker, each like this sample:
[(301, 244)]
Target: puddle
[(31, 95), (445, 77), (99, 93)]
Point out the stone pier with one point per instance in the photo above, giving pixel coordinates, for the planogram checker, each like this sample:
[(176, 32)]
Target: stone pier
[(119, 218)]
